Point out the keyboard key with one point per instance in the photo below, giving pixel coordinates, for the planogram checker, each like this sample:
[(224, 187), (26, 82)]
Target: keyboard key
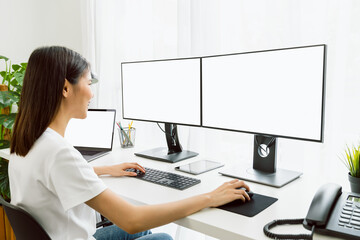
[(356, 223), (348, 208), (346, 212), (356, 214), (342, 220)]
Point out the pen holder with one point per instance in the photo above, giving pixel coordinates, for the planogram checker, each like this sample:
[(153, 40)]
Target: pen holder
[(127, 137)]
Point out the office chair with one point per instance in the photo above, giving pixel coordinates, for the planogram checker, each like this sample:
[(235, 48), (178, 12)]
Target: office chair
[(26, 227), (23, 224)]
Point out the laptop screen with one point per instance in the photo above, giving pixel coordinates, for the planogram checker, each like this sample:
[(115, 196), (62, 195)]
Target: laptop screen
[(93, 132)]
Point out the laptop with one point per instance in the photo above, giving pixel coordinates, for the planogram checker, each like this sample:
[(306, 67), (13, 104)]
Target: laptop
[(92, 136)]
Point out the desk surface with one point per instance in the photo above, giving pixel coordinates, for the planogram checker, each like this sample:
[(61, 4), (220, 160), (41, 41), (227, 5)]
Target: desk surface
[(293, 199)]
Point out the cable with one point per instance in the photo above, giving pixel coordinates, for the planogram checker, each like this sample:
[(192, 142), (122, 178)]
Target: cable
[(274, 223), (171, 135)]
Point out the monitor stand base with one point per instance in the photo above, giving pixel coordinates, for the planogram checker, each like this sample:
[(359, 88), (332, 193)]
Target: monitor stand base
[(278, 179), (161, 154)]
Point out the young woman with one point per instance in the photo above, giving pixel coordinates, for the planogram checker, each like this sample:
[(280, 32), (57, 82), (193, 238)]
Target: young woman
[(51, 180)]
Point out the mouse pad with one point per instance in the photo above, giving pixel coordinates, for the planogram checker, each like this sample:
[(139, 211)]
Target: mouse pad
[(250, 208)]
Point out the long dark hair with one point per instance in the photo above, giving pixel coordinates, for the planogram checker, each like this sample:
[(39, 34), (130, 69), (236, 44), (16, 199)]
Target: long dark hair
[(41, 95)]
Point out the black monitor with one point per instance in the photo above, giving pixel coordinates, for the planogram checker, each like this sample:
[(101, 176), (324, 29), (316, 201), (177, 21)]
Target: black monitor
[(271, 94), (163, 91)]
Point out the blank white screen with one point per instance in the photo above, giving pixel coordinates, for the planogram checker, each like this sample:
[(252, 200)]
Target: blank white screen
[(95, 131), (162, 91), (272, 92)]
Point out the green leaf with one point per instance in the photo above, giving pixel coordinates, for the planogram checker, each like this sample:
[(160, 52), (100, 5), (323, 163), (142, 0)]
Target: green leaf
[(14, 95), (3, 57), (3, 117), (19, 77), (17, 92), (4, 144), (7, 120), (3, 74), (24, 65), (13, 82), (7, 98), (4, 179), (18, 89), (351, 159), (16, 67)]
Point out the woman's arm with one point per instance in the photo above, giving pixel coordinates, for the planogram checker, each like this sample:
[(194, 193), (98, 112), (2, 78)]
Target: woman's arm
[(134, 219)]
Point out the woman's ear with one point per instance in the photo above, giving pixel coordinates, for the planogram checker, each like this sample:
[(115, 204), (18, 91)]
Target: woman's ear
[(66, 88)]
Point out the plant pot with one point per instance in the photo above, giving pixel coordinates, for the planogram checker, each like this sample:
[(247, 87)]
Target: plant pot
[(6, 132), (6, 232), (354, 183)]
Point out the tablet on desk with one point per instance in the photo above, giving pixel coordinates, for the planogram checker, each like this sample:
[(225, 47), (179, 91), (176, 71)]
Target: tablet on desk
[(198, 167)]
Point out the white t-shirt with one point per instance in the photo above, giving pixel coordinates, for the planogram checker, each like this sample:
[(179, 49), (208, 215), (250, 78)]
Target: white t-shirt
[(52, 182)]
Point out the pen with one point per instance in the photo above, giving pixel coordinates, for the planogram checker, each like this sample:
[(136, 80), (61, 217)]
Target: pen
[(121, 134), (126, 136), (130, 129)]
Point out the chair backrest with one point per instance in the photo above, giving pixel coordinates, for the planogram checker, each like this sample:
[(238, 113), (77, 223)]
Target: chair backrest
[(23, 224)]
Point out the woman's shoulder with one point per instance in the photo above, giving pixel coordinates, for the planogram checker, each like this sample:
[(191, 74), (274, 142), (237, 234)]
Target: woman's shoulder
[(49, 149), (51, 143), (51, 138)]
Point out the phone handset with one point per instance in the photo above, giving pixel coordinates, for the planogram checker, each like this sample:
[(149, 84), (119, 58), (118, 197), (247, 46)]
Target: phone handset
[(322, 205), (318, 214)]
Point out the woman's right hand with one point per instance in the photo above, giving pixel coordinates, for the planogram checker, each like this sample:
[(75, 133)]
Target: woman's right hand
[(229, 192)]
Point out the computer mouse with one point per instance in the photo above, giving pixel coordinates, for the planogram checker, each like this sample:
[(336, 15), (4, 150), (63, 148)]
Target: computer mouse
[(250, 193)]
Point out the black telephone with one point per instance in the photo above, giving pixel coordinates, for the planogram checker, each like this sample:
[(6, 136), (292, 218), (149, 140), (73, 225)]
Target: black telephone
[(331, 212)]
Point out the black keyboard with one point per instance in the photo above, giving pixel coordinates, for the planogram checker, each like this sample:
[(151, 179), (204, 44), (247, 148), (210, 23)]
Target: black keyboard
[(165, 178)]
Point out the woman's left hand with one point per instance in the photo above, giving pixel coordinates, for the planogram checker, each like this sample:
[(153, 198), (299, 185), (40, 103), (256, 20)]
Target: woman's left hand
[(119, 170)]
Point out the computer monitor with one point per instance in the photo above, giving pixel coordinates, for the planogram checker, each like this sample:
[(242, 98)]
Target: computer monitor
[(271, 94), (163, 91)]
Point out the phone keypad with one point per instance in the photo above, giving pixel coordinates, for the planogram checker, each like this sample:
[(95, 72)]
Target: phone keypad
[(350, 216)]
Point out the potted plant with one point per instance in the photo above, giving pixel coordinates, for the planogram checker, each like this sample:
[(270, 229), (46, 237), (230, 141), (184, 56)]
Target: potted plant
[(351, 159), (10, 88)]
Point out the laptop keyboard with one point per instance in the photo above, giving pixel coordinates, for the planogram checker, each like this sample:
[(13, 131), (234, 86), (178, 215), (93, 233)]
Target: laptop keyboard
[(165, 178), (89, 153)]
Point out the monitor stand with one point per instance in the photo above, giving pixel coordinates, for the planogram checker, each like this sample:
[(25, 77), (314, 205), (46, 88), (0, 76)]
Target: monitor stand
[(173, 153), (264, 169)]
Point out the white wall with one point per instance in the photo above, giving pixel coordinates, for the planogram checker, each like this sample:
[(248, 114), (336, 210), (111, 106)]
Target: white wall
[(28, 24)]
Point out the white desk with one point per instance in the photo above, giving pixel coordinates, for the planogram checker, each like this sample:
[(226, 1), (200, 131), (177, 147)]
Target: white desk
[(293, 199)]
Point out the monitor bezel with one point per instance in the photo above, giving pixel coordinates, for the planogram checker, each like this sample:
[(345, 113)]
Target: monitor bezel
[(237, 130), (271, 134), (148, 120), (112, 135)]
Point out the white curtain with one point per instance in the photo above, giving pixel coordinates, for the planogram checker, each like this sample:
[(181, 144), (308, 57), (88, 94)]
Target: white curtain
[(231, 26), (128, 30)]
